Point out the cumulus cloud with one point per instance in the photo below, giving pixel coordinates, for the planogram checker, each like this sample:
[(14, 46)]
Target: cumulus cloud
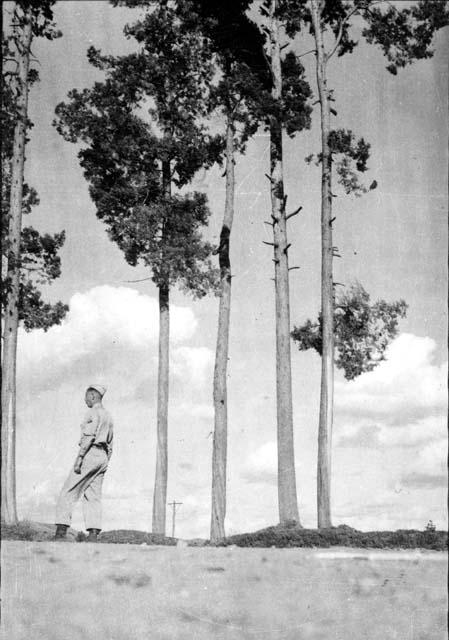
[(261, 465), (400, 406), (104, 315), (193, 363), (400, 403), (107, 329), (407, 386), (369, 433), (110, 335), (430, 470)]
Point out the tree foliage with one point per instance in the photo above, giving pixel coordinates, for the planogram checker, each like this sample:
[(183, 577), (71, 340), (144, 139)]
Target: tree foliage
[(404, 32), (39, 262), (349, 157), (41, 13), (363, 331), (149, 113)]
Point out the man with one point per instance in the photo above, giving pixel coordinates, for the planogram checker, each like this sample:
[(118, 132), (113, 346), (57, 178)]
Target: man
[(86, 478)]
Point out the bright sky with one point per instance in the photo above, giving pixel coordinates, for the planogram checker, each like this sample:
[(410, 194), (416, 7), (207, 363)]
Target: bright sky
[(389, 457)]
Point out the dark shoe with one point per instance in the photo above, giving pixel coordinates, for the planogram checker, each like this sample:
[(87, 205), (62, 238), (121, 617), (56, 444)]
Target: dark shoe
[(93, 535), (61, 532)]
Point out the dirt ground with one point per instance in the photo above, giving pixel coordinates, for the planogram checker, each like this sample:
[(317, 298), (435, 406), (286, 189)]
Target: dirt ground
[(63, 591)]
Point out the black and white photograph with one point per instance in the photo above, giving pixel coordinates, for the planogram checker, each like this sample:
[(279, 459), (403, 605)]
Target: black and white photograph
[(224, 319)]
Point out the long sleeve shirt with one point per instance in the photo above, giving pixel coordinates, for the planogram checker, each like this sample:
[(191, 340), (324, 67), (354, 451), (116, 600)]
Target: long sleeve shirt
[(96, 428)]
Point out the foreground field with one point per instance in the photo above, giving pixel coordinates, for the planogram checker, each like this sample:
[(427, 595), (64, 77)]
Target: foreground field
[(63, 591)]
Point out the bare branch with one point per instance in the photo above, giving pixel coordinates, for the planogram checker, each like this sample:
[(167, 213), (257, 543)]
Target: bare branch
[(141, 280), (306, 53), (293, 213), (340, 32), (268, 63)]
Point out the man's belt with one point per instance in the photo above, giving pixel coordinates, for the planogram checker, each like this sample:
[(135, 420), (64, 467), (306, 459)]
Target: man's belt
[(101, 445)]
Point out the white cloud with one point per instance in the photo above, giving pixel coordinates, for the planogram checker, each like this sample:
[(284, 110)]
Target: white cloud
[(110, 335), (117, 343), (261, 465), (376, 433), (400, 403), (400, 406), (194, 411), (102, 318), (432, 459), (408, 385), (193, 364), (109, 332)]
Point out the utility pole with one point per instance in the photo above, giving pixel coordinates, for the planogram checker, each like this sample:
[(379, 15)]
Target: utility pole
[(173, 505)]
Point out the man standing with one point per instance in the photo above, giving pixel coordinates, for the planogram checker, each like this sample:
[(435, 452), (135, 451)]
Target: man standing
[(86, 477)]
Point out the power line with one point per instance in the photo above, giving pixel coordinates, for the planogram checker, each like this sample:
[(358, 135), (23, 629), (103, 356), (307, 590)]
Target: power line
[(173, 505)]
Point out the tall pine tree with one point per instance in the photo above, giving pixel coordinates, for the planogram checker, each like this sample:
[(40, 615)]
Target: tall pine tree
[(28, 258), (237, 46), (146, 138), (286, 110), (404, 34)]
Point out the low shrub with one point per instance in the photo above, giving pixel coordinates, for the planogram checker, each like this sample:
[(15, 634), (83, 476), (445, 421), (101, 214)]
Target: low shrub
[(342, 536), (131, 536), (28, 530)]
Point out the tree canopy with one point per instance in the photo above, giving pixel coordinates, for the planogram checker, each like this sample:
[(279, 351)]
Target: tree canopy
[(39, 261), (363, 330)]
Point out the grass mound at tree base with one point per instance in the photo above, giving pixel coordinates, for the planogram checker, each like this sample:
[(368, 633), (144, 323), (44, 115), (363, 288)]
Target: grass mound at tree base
[(342, 536), (40, 532), (131, 536), (37, 531), (276, 536)]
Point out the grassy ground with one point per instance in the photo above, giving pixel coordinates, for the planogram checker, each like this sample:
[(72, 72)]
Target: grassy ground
[(54, 591), (278, 536), (37, 531)]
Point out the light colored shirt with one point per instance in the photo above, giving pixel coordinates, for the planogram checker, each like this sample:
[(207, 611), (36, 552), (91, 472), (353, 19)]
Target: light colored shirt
[(98, 424)]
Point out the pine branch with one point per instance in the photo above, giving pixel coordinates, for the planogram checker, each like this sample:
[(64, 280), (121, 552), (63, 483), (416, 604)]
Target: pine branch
[(306, 53), (293, 213), (340, 33)]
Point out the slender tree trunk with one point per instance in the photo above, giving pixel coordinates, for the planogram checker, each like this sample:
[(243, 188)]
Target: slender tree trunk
[(8, 474), (160, 484), (288, 501), (217, 530), (327, 292)]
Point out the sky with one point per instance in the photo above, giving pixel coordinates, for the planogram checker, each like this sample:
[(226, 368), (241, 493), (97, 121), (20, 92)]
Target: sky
[(389, 448)]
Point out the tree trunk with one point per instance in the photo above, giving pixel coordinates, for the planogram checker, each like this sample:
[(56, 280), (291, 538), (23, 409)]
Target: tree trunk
[(217, 530), (327, 292), (11, 322), (288, 501), (160, 484)]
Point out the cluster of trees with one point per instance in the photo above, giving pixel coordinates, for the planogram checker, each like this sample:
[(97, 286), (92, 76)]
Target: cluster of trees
[(145, 132)]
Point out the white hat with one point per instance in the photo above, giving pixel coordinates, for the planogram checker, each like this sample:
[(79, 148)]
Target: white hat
[(98, 387)]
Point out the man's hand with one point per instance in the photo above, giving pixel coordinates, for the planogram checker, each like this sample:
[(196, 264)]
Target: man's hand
[(77, 466)]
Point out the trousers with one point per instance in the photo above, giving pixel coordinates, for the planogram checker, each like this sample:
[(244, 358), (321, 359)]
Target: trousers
[(88, 484)]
